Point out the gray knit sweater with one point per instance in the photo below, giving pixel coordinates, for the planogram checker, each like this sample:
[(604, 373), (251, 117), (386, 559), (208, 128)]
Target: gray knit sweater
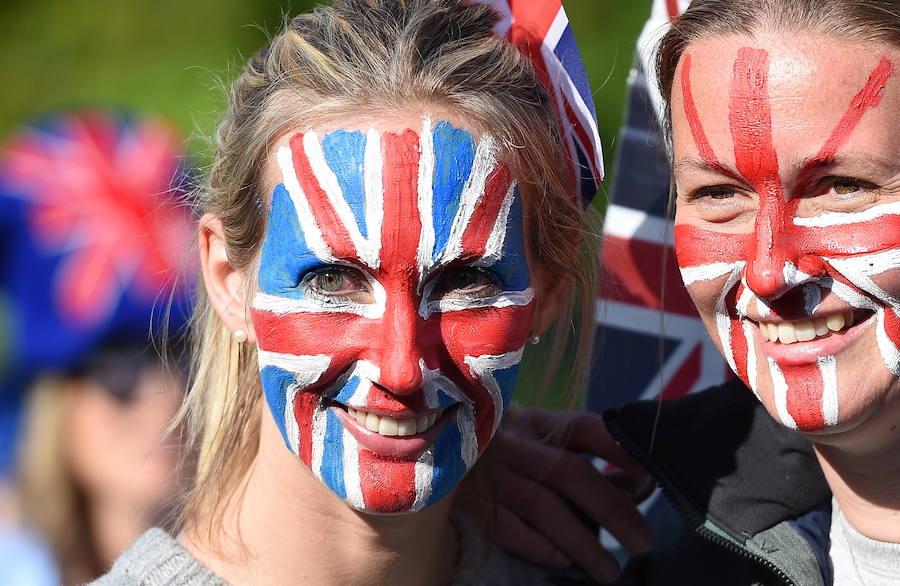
[(156, 559)]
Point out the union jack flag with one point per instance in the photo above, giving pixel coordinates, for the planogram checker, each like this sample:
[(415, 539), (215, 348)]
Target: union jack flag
[(541, 31), (651, 340), (399, 209)]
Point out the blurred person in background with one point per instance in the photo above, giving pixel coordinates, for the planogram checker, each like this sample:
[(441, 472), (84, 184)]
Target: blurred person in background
[(94, 238)]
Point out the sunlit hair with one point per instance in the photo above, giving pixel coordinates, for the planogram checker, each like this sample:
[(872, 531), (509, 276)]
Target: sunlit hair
[(370, 58), (857, 21)]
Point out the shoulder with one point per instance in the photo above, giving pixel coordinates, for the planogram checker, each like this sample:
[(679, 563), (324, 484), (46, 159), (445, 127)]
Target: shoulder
[(158, 559)]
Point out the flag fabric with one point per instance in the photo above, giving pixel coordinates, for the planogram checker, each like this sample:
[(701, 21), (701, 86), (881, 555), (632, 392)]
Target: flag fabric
[(650, 340), (406, 206), (541, 31), (93, 239)]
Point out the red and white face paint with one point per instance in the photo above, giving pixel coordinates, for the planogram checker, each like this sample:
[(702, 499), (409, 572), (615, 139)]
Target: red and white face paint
[(788, 224)]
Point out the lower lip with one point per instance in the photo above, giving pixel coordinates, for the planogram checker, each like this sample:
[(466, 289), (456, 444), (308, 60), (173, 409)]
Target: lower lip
[(800, 353), (400, 447)]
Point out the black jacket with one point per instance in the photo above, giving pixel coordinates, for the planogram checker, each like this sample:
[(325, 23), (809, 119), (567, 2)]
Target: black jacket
[(753, 503)]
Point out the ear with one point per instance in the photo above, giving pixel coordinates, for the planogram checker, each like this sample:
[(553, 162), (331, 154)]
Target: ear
[(226, 286), (552, 293)]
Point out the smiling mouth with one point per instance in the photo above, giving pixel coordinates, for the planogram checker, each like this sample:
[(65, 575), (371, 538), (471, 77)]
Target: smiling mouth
[(785, 332), (394, 426)]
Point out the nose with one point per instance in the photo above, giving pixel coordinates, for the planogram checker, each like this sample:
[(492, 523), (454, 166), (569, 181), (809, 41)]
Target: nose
[(777, 261), (400, 347)]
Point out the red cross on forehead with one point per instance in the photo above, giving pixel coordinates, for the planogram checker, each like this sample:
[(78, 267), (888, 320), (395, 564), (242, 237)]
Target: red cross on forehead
[(777, 238)]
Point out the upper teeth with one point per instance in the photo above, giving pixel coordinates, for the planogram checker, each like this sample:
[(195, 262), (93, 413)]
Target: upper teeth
[(805, 330), (392, 426)]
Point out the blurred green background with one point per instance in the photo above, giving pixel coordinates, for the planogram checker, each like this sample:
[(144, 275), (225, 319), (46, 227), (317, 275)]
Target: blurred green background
[(172, 56)]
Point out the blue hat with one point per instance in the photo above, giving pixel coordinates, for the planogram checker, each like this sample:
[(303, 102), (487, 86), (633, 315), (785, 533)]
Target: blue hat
[(94, 238)]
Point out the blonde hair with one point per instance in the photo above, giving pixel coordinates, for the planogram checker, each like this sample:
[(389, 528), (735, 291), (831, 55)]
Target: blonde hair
[(863, 21), (370, 57)]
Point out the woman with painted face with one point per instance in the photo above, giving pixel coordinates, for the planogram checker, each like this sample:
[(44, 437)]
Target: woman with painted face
[(786, 162), (389, 219)]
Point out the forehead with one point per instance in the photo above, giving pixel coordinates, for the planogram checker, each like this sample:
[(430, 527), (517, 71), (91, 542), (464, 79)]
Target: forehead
[(810, 84)]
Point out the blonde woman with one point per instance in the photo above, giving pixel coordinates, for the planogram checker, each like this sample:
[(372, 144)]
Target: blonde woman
[(388, 221)]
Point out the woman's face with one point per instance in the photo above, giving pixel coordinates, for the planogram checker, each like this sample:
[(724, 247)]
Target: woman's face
[(394, 301), (787, 165)]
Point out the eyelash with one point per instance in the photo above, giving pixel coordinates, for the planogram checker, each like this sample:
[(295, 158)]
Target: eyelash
[(711, 191)]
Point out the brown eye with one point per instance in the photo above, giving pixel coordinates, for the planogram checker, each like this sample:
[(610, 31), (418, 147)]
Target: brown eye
[(466, 283), (719, 193), (846, 186)]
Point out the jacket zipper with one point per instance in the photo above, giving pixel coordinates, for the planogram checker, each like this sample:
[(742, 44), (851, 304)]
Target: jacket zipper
[(695, 519)]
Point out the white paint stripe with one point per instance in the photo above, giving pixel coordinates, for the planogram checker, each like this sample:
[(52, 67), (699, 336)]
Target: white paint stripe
[(315, 304), (484, 367), (434, 382), (352, 486), (465, 423), (318, 427), (723, 320), (868, 264), (828, 368), (426, 198), (635, 224), (752, 374), (329, 184), (423, 471), (367, 373), (780, 391), (291, 428), (504, 299), (709, 272), (306, 369), (848, 294), (311, 232), (482, 166), (744, 299), (493, 248), (794, 277), (844, 218), (374, 187), (889, 351)]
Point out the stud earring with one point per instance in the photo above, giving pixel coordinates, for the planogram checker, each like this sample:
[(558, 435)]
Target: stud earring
[(535, 339), (240, 336)]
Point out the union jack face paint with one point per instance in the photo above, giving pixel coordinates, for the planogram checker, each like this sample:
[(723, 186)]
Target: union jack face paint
[(788, 223), (394, 302)]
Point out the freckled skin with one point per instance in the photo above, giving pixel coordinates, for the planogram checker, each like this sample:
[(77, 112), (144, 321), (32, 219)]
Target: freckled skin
[(775, 121)]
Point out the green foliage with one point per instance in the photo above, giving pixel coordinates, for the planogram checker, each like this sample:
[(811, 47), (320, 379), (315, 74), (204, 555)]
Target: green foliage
[(173, 57)]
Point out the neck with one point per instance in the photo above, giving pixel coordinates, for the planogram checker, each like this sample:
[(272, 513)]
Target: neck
[(289, 528), (864, 483), (115, 525)]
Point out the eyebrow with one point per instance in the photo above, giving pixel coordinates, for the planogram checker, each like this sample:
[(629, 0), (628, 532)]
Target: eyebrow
[(694, 164), (864, 161)]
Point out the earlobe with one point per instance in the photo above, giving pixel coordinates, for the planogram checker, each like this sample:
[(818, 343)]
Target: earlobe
[(225, 285)]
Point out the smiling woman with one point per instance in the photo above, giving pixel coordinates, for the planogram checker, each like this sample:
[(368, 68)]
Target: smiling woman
[(390, 216)]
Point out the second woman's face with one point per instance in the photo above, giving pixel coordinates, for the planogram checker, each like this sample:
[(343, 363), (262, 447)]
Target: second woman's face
[(394, 301), (787, 165)]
